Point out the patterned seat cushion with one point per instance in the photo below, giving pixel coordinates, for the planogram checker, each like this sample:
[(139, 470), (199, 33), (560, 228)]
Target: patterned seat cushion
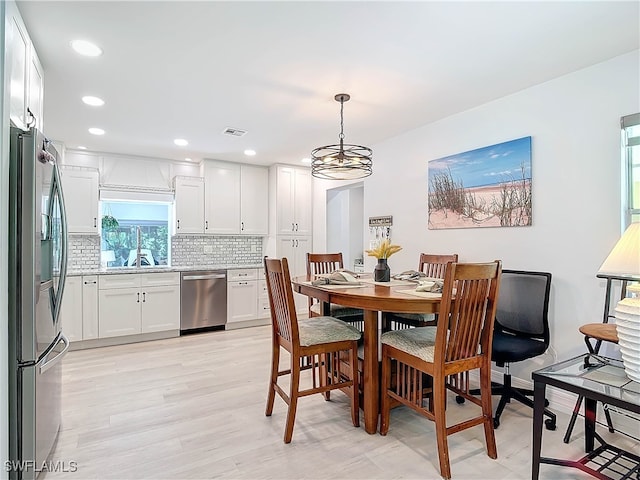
[(318, 330), (419, 342), (337, 310), (414, 317)]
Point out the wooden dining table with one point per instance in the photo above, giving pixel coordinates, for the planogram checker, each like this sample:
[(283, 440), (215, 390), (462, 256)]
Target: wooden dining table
[(373, 298)]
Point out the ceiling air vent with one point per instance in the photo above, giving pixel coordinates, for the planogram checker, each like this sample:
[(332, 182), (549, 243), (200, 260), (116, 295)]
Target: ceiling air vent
[(234, 132)]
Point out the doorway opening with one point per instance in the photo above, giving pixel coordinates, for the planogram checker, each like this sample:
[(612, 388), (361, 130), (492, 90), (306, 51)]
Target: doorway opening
[(345, 224)]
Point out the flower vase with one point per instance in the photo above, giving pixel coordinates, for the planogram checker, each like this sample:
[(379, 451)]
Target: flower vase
[(382, 272)]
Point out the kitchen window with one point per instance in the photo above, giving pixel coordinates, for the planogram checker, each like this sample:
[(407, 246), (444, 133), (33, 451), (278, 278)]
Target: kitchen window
[(630, 125), (127, 220)]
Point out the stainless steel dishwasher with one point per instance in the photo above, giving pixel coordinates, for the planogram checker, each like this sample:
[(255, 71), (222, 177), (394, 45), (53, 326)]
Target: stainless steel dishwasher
[(203, 300)]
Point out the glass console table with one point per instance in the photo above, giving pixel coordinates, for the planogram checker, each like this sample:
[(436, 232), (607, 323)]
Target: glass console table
[(597, 379)]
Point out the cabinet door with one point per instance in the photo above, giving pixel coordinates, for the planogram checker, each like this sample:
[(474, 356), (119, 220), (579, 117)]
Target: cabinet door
[(80, 189), (17, 49), (89, 307), (160, 308), (254, 200), (222, 198), (302, 201), (36, 91), (242, 301), (189, 205), (71, 309), (295, 250), (285, 200), (264, 310), (119, 312)]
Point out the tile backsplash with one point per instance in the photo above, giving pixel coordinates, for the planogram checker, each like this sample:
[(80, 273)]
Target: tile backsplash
[(84, 252), (193, 250), (186, 251)]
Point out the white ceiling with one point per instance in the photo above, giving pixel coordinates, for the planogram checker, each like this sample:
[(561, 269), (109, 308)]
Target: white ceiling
[(190, 69)]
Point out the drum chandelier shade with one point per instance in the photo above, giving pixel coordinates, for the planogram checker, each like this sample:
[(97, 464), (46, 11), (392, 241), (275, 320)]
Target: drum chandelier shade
[(341, 161)]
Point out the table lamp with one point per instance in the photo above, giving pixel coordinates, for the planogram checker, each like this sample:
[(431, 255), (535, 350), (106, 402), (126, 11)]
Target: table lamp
[(624, 261)]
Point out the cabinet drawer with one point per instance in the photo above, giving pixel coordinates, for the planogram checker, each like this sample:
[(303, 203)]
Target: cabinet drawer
[(158, 279), (127, 280), (242, 274), (262, 289)]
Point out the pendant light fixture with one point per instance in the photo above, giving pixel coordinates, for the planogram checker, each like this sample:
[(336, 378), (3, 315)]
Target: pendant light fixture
[(341, 161)]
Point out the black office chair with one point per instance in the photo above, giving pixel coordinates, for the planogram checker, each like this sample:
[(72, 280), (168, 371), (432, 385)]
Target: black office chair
[(521, 332)]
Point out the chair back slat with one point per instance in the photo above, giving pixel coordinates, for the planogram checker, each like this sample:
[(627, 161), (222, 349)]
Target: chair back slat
[(319, 263), (469, 302), (434, 266), (284, 321)]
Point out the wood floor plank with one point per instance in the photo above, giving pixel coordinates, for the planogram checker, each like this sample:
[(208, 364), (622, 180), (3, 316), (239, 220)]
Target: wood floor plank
[(193, 408)]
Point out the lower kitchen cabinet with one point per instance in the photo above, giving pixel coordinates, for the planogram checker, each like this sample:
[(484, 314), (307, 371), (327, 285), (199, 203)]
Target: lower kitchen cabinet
[(79, 310), (242, 295), (130, 304)]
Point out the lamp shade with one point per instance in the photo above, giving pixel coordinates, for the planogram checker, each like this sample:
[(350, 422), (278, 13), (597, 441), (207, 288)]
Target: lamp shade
[(624, 259)]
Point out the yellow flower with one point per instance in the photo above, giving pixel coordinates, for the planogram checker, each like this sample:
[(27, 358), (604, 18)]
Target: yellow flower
[(384, 250)]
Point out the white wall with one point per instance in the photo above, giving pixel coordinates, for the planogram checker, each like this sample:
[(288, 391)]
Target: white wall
[(576, 166)]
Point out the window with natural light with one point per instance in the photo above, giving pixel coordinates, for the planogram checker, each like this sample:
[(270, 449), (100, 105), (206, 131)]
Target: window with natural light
[(631, 141), (124, 223)]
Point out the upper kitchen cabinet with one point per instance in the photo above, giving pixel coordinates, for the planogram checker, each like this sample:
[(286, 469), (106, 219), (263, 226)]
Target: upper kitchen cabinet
[(80, 187), (236, 198), (254, 200), (292, 200), (222, 197), (189, 204), (26, 85)]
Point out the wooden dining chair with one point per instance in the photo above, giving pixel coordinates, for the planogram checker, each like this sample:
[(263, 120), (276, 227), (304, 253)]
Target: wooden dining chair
[(323, 263), (313, 344), (461, 344), (433, 266)]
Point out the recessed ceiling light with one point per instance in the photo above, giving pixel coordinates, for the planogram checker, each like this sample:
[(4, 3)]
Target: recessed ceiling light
[(249, 153), (187, 159), (81, 147), (181, 142), (93, 101), (86, 48), (306, 160), (96, 131)]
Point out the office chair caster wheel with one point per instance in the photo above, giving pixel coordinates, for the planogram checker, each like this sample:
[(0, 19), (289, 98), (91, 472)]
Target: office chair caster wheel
[(459, 400), (496, 422), (550, 424)]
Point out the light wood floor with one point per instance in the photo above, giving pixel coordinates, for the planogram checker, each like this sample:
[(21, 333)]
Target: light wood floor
[(193, 408)]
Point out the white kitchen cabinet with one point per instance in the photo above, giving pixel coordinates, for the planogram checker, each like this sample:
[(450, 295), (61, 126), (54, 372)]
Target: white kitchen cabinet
[(236, 198), (242, 295), (80, 187), (71, 309), (79, 310), (25, 76), (35, 99), (295, 250), (89, 307), (138, 303), (264, 309), (292, 200), (254, 200), (189, 204), (222, 197)]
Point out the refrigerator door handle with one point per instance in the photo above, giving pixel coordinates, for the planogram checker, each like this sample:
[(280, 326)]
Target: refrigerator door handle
[(48, 363), (64, 246)]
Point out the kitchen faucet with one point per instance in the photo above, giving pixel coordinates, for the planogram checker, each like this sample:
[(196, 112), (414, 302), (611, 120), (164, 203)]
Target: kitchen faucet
[(139, 253)]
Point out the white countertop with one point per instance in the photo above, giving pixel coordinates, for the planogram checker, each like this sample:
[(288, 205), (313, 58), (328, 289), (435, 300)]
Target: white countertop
[(157, 269)]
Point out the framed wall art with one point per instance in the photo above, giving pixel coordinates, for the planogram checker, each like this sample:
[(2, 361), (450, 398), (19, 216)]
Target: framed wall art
[(486, 187)]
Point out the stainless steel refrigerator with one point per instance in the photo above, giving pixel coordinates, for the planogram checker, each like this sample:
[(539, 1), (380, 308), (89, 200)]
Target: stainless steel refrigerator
[(37, 272)]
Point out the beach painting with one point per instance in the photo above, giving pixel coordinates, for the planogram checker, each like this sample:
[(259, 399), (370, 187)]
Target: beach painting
[(486, 187)]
